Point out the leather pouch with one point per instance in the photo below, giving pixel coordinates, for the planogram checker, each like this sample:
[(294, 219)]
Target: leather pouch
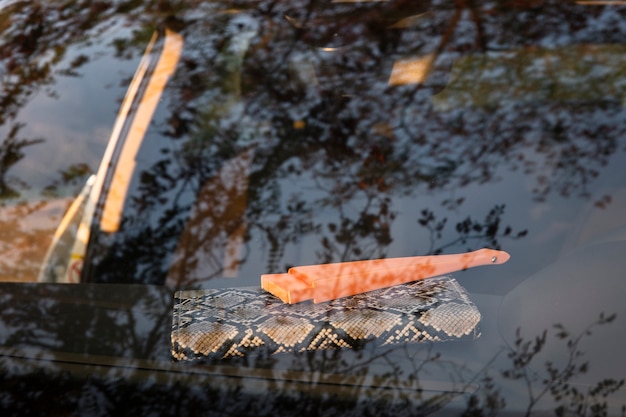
[(235, 322)]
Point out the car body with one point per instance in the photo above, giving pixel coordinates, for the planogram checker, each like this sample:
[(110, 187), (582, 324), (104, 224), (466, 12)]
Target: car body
[(255, 136)]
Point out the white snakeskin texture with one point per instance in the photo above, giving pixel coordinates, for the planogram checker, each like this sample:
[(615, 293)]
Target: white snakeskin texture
[(218, 324)]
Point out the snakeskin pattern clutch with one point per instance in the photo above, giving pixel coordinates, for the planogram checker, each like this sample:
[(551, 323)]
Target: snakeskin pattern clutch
[(234, 322)]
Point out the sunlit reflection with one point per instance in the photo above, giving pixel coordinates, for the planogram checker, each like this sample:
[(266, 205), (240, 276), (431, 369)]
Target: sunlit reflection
[(413, 71)]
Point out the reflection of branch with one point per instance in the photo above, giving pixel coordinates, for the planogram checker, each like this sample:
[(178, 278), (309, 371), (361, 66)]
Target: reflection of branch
[(558, 382), (11, 152), (350, 237), (488, 231), (73, 175)]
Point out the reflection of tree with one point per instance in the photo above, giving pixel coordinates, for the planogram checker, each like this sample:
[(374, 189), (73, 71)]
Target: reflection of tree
[(35, 40), (10, 153), (20, 254), (129, 323), (487, 233), (355, 143), (40, 43), (571, 398), (36, 37), (366, 142), (556, 381)]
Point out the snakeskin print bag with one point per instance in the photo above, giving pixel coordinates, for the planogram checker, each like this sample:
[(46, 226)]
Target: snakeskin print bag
[(236, 322)]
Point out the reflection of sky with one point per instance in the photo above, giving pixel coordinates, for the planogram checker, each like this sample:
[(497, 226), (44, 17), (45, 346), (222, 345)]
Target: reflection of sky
[(556, 226), (74, 117), (75, 125)]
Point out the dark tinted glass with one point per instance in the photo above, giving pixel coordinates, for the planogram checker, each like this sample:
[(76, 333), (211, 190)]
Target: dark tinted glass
[(293, 136), (294, 133)]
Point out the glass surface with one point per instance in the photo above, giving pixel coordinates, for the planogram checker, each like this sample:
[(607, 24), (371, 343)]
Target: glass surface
[(61, 87), (300, 133)]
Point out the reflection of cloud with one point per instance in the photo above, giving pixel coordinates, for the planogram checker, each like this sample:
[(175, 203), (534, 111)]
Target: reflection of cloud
[(600, 223), (537, 211), (63, 146), (554, 230)]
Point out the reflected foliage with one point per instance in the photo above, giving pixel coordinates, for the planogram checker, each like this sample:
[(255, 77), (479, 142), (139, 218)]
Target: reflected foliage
[(284, 129), (11, 151), (488, 232), (130, 324), (557, 381), (259, 82), (36, 40), (363, 147), (281, 138), (75, 175)]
